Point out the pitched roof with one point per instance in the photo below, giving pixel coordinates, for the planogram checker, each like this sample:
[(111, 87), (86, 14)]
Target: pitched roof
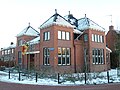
[(117, 31), (29, 31), (71, 19), (56, 19), (35, 40), (86, 23), (9, 47)]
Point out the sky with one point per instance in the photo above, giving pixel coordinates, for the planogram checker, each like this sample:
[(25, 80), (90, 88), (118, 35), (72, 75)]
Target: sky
[(16, 14)]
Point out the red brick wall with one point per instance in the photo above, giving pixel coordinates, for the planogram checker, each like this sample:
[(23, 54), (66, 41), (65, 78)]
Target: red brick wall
[(111, 39), (19, 48), (55, 43), (92, 45)]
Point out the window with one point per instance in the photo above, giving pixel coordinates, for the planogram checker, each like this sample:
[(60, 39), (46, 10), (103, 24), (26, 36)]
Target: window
[(93, 37), (2, 52), (19, 57), (67, 36), (63, 56), (9, 51), (46, 36), (102, 56), (102, 39), (98, 56), (63, 35), (20, 42), (5, 52), (97, 38), (85, 37), (31, 47), (12, 50), (93, 54), (46, 53), (59, 35)]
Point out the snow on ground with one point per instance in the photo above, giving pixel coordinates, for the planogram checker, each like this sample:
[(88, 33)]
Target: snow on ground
[(79, 79)]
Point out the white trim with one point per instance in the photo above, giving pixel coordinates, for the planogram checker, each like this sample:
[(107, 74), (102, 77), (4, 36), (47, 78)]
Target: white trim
[(108, 49), (33, 52)]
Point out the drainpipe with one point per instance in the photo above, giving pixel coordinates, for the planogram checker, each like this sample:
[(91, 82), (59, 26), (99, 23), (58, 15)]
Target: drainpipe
[(75, 59), (74, 55)]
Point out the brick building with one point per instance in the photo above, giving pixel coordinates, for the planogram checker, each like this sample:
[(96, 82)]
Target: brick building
[(112, 38), (64, 44), (26, 36), (7, 56)]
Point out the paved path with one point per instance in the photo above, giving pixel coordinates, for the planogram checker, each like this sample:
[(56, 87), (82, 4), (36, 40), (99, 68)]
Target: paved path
[(13, 86)]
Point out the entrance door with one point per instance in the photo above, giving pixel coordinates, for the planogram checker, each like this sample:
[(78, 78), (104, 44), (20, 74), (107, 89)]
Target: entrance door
[(30, 61)]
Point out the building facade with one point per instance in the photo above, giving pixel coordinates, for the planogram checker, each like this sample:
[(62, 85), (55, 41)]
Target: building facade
[(64, 44), (112, 41), (7, 56)]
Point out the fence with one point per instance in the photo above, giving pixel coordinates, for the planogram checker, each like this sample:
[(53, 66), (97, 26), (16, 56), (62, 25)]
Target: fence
[(111, 76)]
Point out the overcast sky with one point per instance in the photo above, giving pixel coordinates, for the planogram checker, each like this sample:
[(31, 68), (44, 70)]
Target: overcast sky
[(16, 14)]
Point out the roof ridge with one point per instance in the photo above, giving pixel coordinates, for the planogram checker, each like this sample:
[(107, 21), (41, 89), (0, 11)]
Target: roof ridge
[(54, 19)]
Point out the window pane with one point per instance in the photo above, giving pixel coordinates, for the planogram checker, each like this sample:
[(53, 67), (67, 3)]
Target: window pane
[(63, 35), (48, 35), (68, 60), (63, 51), (48, 61), (63, 60), (59, 60), (92, 37), (98, 38), (59, 34), (45, 60), (68, 51), (48, 51), (67, 36), (95, 38), (101, 39), (59, 51), (45, 35), (85, 37)]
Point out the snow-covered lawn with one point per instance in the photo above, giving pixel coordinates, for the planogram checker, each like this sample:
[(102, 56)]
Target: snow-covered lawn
[(65, 79)]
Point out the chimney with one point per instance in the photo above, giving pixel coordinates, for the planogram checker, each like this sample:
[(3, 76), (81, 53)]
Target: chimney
[(111, 27)]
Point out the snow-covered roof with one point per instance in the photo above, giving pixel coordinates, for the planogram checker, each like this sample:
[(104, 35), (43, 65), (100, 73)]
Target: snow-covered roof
[(11, 46), (34, 41), (29, 31), (56, 19), (109, 49), (117, 31), (77, 31), (71, 19), (86, 23)]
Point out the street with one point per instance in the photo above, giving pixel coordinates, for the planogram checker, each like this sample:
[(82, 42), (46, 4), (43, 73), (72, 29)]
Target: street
[(14, 86)]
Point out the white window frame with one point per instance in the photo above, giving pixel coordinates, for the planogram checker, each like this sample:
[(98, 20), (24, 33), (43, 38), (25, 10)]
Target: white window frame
[(46, 56), (59, 35), (63, 35), (46, 36), (65, 56), (67, 35), (93, 37)]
